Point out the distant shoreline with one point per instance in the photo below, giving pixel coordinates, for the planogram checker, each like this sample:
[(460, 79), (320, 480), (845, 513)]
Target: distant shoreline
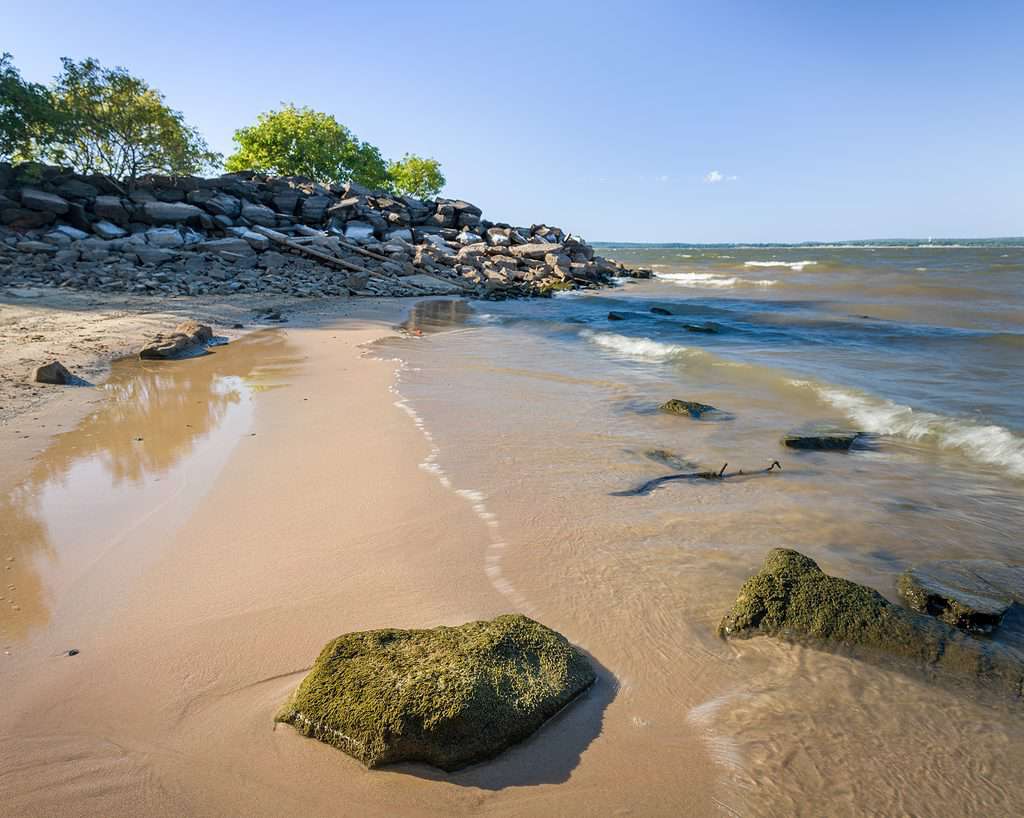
[(1010, 241)]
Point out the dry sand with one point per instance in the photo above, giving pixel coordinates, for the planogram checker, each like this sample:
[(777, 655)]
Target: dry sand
[(199, 545)]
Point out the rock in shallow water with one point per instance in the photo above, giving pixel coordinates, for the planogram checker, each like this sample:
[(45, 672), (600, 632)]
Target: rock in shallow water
[(686, 407), (792, 598), (188, 338), (53, 373), (821, 439), (969, 594), (446, 696)]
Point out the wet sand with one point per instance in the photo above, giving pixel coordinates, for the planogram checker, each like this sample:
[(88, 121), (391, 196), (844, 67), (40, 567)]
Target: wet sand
[(198, 536)]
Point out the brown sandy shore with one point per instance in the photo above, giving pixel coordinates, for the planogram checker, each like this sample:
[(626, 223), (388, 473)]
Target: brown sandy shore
[(198, 546)]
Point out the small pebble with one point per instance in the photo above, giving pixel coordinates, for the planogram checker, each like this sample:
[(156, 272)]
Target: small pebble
[(73, 652)]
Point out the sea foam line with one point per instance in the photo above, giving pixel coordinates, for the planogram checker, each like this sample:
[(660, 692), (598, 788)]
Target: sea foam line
[(710, 280), (636, 347), (792, 265), (986, 443), (494, 550)]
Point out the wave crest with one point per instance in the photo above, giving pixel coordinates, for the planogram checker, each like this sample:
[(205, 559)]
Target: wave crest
[(797, 266)]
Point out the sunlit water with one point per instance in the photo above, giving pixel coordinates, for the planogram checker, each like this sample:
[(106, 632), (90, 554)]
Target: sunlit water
[(539, 412)]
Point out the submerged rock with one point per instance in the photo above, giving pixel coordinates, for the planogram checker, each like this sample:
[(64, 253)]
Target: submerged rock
[(821, 439), (616, 316), (792, 598), (686, 407), (970, 594), (187, 339), (708, 328), (446, 696), (54, 373), (660, 311)]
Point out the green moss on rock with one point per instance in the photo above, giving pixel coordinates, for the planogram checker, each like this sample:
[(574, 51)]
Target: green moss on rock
[(448, 696), (792, 598), (686, 407)]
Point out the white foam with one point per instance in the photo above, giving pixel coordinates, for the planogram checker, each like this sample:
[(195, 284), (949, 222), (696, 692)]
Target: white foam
[(635, 347), (710, 280), (989, 444), (792, 265)]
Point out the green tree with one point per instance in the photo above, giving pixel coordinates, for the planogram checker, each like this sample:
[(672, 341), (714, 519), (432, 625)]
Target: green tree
[(415, 176), (113, 123), (296, 141), (26, 111)]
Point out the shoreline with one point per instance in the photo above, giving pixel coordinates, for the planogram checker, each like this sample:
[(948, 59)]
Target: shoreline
[(199, 595)]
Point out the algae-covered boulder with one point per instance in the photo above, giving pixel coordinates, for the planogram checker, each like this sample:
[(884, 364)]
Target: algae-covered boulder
[(448, 696), (690, 408), (821, 438), (792, 598), (969, 594)]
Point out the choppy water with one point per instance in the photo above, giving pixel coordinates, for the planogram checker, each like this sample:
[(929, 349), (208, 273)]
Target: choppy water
[(539, 412)]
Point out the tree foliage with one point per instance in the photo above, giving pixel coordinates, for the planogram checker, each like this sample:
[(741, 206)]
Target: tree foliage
[(296, 141), (26, 111), (415, 176), (114, 123), (97, 120)]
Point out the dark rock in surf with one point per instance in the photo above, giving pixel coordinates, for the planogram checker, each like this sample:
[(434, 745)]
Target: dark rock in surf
[(660, 311), (689, 408), (668, 459), (53, 373), (446, 696), (970, 594), (821, 439), (188, 338), (616, 316), (793, 599), (708, 328)]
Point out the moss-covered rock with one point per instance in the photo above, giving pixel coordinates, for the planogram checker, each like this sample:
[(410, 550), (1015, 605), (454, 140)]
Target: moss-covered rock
[(792, 598), (970, 594), (445, 696), (690, 408)]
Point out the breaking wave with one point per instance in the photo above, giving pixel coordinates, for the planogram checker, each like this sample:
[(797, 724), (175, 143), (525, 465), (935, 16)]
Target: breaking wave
[(709, 280), (646, 348), (792, 265), (989, 444)]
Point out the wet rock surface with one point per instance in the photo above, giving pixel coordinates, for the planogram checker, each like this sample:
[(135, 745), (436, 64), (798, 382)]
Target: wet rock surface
[(793, 599), (53, 373), (973, 595), (687, 408), (448, 696), (823, 439), (188, 338)]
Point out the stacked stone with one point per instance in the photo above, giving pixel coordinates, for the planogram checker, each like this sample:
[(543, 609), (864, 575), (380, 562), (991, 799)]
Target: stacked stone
[(191, 236)]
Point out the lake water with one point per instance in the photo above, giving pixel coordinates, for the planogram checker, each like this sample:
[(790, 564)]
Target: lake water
[(540, 412)]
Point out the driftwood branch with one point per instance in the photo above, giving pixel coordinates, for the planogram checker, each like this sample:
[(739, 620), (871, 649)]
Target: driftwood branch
[(282, 240), (721, 474)]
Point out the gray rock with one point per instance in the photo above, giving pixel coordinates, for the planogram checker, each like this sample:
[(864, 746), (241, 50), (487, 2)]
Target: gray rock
[(166, 237), (188, 338), (433, 285), (314, 208), (358, 230), (155, 255), (256, 241), (111, 209), (47, 202), (237, 246), (30, 246), (170, 212), (71, 232), (259, 214), (53, 373), (534, 250), (970, 594), (690, 408)]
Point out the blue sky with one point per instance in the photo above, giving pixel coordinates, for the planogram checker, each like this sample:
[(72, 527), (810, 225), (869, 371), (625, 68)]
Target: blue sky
[(711, 121)]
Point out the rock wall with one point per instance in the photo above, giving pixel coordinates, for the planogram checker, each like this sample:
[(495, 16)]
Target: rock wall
[(244, 232)]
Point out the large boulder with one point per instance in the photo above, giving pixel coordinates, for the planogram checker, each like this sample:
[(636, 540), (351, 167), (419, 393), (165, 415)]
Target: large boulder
[(170, 212), (188, 338), (47, 202), (446, 696), (259, 214), (970, 594), (792, 598)]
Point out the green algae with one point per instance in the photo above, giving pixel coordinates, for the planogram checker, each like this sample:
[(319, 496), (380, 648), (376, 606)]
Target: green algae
[(692, 408), (792, 598), (448, 696)]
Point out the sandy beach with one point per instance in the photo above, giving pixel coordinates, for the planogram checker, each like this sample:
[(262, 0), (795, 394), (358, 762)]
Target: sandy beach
[(245, 525)]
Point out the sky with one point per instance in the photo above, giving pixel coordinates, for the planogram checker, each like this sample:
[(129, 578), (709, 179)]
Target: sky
[(688, 121)]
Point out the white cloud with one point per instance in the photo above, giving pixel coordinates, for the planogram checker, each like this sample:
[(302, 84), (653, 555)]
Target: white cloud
[(713, 177), (663, 179)]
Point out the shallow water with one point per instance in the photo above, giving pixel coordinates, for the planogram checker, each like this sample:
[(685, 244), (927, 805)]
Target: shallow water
[(540, 412)]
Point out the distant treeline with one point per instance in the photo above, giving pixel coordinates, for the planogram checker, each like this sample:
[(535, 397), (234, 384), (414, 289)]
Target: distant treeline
[(1009, 241), (105, 120)]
